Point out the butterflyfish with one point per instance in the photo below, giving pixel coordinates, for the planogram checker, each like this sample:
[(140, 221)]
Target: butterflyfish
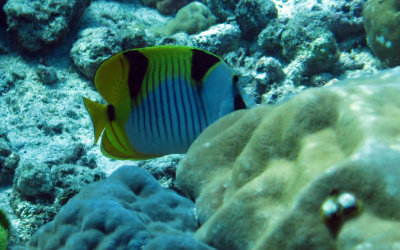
[(159, 99)]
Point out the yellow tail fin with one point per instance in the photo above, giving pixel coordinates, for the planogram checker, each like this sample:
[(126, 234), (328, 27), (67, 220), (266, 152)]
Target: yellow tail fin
[(98, 113)]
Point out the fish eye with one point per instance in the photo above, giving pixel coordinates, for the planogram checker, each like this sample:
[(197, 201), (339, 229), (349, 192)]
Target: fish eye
[(235, 79)]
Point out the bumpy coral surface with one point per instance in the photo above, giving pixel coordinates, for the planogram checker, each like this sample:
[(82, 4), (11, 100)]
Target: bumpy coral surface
[(129, 210), (191, 19), (319, 171)]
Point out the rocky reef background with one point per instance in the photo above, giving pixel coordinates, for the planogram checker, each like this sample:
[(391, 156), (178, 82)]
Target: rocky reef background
[(50, 50)]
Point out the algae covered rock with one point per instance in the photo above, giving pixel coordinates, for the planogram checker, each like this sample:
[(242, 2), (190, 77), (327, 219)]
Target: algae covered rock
[(319, 171), (382, 25), (8, 160), (219, 38), (253, 15), (42, 23), (33, 180), (93, 47), (308, 44)]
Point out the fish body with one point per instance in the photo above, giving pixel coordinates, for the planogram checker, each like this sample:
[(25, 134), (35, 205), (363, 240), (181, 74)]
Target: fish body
[(159, 100)]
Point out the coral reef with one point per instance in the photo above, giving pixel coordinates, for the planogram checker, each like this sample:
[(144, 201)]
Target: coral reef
[(8, 160), (219, 39), (38, 192), (346, 19), (381, 22), (191, 19), (33, 180), (222, 9), (269, 39), (253, 15), (128, 210), (93, 47), (166, 7), (47, 138), (308, 40), (39, 24), (270, 177)]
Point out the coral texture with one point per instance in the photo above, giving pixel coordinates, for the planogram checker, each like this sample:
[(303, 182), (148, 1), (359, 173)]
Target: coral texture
[(191, 19), (93, 47), (253, 15), (129, 210), (8, 160), (264, 178)]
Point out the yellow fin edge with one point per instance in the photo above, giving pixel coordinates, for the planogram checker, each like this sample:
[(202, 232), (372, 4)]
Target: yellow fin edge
[(99, 116), (110, 151)]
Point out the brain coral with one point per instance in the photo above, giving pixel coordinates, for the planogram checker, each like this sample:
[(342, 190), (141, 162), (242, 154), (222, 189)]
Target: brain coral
[(260, 177), (191, 19), (128, 210)]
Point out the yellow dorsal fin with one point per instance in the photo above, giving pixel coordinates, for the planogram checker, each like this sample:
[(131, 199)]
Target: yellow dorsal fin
[(111, 79), (98, 113)]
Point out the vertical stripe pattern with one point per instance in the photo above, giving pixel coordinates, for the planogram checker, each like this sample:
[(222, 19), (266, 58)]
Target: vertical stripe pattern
[(168, 113)]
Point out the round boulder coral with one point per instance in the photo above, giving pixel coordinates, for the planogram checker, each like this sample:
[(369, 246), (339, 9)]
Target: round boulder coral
[(191, 19)]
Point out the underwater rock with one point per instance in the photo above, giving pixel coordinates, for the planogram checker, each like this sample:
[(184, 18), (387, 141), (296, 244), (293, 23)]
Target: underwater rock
[(253, 15), (222, 9), (33, 179), (218, 39), (36, 208), (381, 22), (136, 37), (166, 7), (39, 24), (132, 23), (6, 82), (269, 38), (261, 177), (93, 47), (346, 19), (176, 39), (304, 29), (267, 72), (8, 160), (309, 45), (128, 210), (163, 169), (46, 75), (69, 179)]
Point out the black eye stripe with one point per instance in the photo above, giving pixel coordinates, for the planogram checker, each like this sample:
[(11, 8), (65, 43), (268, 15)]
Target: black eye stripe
[(111, 112)]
